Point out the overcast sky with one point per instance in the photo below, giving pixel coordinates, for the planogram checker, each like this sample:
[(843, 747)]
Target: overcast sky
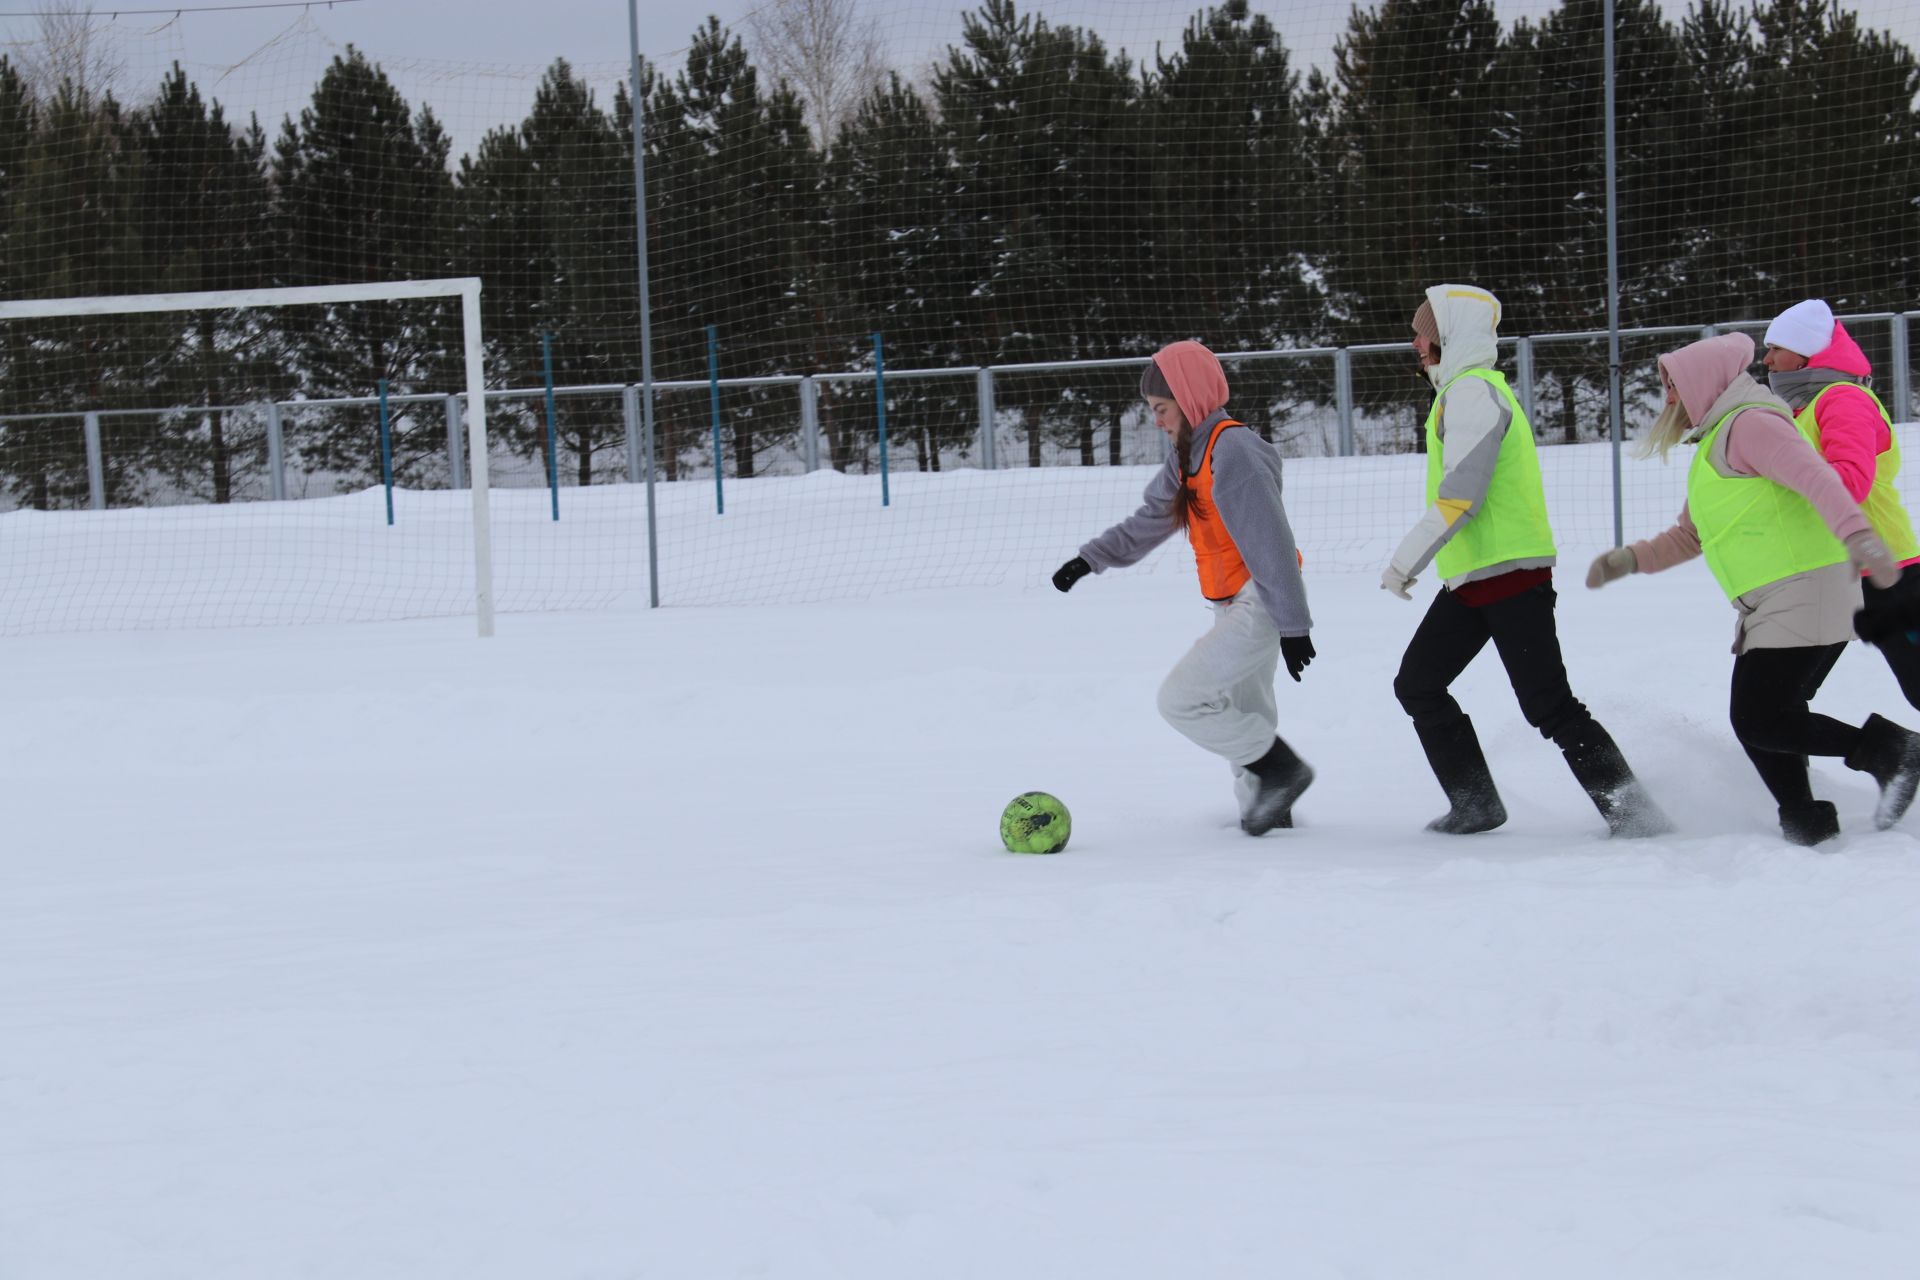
[(268, 60)]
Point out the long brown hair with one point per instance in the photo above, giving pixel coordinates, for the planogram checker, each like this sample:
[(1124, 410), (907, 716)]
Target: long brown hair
[(1184, 498)]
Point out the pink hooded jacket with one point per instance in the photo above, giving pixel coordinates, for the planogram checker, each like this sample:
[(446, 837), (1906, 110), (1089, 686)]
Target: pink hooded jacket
[(1711, 376), (1199, 383), (1853, 435)]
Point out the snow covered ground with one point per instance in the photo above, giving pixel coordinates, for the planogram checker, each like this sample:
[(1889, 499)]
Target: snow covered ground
[(680, 944)]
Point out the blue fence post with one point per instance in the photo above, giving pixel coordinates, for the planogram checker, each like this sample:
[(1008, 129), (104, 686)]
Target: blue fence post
[(553, 431), (386, 450), (880, 401), (713, 394)]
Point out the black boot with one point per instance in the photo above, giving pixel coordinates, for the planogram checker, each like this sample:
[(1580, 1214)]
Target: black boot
[(1603, 774), (1454, 752), (1809, 823), (1892, 756), (1282, 776)]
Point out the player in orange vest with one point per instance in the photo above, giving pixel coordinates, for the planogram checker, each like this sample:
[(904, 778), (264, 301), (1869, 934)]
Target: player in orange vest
[(1221, 485)]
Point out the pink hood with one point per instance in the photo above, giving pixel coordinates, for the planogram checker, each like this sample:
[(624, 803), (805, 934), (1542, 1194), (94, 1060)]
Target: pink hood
[(1703, 370), (1199, 383), (1843, 355)]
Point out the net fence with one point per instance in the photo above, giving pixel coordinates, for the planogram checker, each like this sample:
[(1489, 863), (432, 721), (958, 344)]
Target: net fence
[(993, 213)]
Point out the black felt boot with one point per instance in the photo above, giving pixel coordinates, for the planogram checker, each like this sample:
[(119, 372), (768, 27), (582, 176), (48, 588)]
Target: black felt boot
[(1282, 776), (1604, 775), (1810, 823), (1454, 752), (1891, 755)]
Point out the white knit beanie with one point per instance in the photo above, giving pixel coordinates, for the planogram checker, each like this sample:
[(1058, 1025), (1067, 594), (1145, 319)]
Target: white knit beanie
[(1805, 328)]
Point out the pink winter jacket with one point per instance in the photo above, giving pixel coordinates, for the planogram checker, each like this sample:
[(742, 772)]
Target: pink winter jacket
[(1711, 378), (1853, 435)]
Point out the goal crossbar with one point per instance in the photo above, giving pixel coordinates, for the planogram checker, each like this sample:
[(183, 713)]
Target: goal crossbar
[(222, 299), (466, 288)]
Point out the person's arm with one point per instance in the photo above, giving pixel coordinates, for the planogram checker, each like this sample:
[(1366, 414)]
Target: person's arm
[(1129, 541), (1762, 443), (1246, 489), (1668, 548), (1853, 435), (1474, 419)]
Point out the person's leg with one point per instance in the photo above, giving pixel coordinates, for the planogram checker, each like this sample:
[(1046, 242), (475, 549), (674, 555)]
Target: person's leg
[(1893, 612), (1771, 692), (1768, 709), (1214, 697), (1255, 693), (1447, 639), (1526, 635)]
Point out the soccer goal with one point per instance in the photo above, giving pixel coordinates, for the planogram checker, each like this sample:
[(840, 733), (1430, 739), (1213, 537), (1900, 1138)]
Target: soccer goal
[(238, 454)]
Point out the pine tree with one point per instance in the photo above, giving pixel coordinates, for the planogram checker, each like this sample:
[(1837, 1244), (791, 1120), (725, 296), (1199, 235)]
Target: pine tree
[(364, 194), (204, 225), (884, 268), (74, 233), (1232, 236), (1414, 132), (1837, 152), (1050, 152), (546, 213), (1550, 186), (738, 201)]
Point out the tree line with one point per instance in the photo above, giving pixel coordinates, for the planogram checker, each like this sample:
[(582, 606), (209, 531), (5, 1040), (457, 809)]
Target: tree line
[(1037, 196)]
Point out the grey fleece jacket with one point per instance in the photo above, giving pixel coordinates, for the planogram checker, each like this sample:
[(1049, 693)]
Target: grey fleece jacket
[(1246, 489)]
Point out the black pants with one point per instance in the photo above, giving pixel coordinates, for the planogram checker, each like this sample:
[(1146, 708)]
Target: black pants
[(1771, 689), (1523, 633), (1899, 606)]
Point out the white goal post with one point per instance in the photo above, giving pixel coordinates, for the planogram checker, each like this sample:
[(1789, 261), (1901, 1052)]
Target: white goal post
[(466, 288)]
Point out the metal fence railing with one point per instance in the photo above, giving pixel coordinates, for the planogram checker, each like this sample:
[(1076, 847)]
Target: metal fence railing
[(1338, 401)]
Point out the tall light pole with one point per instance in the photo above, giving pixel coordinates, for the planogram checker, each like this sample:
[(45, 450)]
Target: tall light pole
[(1616, 427), (646, 299)]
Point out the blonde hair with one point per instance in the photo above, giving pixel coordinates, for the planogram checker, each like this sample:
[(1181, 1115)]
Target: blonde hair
[(1672, 426)]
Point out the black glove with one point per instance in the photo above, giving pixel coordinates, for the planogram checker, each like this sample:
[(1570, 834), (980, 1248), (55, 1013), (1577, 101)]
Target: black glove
[(1298, 651), (1071, 572)]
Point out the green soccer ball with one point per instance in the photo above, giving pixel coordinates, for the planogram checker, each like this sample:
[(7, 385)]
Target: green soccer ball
[(1035, 822)]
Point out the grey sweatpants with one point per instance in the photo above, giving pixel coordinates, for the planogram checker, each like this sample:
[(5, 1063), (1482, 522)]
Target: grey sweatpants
[(1220, 695)]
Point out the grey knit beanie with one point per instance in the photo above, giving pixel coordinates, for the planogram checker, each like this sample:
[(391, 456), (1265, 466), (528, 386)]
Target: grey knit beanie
[(1154, 383)]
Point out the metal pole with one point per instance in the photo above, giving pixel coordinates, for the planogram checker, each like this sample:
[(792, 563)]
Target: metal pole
[(880, 403), (810, 422), (646, 298), (477, 460), (386, 451), (630, 419), (553, 431), (1616, 411), (1902, 372), (96, 463), (1523, 372), (983, 392), (456, 446), (1343, 398), (713, 394), (276, 455)]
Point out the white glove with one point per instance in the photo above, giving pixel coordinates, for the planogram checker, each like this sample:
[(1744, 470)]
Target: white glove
[(1391, 579), (1870, 555), (1608, 565)]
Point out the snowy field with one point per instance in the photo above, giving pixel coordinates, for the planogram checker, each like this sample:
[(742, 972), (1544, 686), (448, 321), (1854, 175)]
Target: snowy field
[(680, 944)]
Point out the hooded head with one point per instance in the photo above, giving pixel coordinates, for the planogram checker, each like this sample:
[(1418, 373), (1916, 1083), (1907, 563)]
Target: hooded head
[(1700, 374), (1192, 376), (1465, 320)]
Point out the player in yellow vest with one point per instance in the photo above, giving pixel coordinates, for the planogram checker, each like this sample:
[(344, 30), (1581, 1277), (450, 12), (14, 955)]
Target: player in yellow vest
[(1486, 533), (1221, 486), (1814, 364), (1787, 545)]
